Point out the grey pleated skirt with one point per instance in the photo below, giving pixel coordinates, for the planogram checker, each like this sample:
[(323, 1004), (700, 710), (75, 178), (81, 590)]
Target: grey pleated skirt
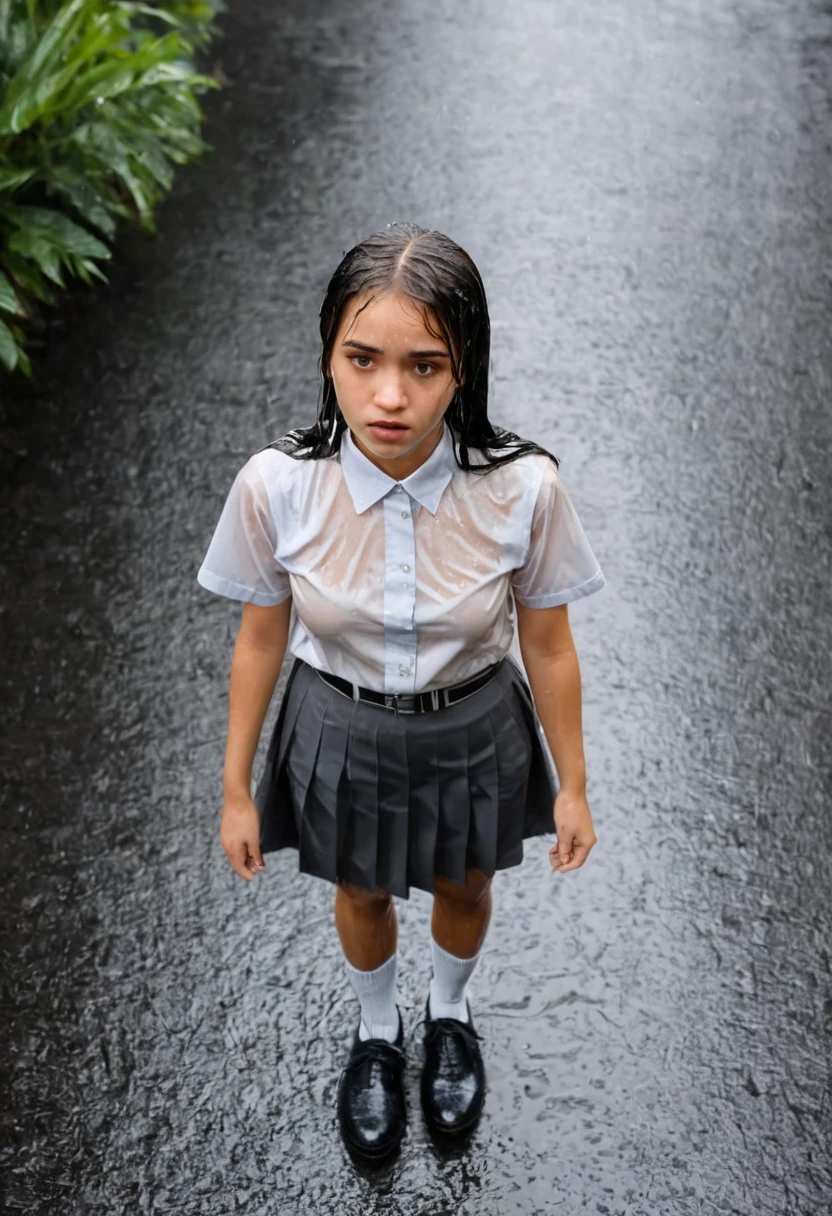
[(385, 801)]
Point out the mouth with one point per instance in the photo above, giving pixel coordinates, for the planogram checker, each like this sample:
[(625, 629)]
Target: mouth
[(389, 431)]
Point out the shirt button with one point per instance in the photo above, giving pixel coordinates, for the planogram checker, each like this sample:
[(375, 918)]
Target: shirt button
[(405, 515), (403, 671), (405, 567)]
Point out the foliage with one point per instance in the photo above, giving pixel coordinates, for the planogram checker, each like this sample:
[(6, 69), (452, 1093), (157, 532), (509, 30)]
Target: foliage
[(98, 103)]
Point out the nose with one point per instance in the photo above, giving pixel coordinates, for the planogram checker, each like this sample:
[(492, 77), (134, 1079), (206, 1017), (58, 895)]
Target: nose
[(390, 392)]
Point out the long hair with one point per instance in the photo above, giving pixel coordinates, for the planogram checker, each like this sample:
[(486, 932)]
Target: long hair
[(439, 275)]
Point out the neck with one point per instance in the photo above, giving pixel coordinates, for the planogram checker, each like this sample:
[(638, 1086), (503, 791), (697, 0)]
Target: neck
[(407, 462)]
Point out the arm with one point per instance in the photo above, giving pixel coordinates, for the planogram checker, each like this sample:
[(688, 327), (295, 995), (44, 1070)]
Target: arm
[(551, 663), (255, 666)]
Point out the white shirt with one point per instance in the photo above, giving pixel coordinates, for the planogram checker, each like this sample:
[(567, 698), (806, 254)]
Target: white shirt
[(399, 586)]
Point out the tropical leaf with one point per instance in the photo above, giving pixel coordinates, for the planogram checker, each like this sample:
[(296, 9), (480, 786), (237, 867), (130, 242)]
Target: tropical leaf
[(8, 298), (58, 230), (28, 277), (11, 178), (76, 189), (40, 251), (18, 35), (98, 105), (23, 363), (158, 14), (36, 65), (9, 350)]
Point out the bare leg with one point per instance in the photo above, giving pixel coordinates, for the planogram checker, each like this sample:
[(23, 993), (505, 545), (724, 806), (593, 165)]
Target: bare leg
[(461, 914), (367, 926)]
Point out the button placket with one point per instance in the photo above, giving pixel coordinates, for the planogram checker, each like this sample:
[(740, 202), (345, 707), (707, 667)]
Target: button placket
[(399, 595)]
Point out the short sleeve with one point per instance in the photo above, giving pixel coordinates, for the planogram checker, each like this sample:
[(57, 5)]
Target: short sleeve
[(240, 562), (560, 565)]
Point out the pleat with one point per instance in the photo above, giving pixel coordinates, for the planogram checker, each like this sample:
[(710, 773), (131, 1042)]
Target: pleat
[(484, 788), (357, 854), (514, 752), (452, 826), (318, 826), (342, 803), (302, 747), (294, 703), (423, 811), (393, 798), (277, 824), (542, 783)]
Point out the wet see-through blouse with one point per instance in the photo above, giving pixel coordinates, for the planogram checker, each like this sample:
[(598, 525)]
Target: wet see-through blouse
[(399, 586)]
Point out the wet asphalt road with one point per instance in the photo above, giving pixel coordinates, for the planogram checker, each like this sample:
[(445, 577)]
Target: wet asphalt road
[(646, 189)]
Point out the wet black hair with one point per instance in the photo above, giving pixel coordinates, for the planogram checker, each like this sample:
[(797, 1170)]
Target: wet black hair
[(437, 274)]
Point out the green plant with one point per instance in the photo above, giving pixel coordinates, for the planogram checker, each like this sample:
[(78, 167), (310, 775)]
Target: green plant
[(98, 103)]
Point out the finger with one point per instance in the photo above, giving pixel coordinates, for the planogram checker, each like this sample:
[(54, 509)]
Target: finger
[(237, 857), (554, 858), (580, 855), (564, 851), (252, 853), (560, 851), (255, 858)]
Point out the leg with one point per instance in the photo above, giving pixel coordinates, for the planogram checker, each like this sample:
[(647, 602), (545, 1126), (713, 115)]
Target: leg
[(371, 1104), (368, 929), (367, 926), (460, 919), (453, 1077), (461, 914)]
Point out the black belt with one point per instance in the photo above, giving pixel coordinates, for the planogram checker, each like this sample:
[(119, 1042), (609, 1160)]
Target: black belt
[(412, 702)]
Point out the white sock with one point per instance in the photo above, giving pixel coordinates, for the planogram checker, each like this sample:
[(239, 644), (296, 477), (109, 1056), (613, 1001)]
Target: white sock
[(449, 986), (376, 991)]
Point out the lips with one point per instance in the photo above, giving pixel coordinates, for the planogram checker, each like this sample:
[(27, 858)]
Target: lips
[(387, 430)]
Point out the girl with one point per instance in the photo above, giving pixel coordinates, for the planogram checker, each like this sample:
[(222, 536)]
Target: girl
[(392, 547)]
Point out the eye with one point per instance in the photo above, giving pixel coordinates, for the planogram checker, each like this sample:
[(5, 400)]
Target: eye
[(362, 366), (431, 367)]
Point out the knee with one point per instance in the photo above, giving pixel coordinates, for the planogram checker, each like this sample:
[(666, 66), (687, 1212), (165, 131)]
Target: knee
[(376, 901), (473, 892)]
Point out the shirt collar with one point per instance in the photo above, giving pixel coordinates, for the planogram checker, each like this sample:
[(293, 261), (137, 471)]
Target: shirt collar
[(367, 484)]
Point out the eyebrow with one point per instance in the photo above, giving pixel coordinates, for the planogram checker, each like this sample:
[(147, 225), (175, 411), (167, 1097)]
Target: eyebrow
[(411, 354)]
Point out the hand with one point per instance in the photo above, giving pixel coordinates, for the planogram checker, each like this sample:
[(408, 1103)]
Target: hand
[(575, 833), (240, 836)]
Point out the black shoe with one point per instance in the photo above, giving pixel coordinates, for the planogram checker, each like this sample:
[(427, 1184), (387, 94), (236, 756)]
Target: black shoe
[(453, 1077), (371, 1108)]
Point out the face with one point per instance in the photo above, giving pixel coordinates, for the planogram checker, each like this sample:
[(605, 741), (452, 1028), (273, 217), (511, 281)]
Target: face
[(393, 381)]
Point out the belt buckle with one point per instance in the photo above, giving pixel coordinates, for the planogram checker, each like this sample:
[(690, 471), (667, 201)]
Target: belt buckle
[(403, 703)]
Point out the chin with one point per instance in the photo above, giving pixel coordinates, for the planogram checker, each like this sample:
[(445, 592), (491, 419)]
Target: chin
[(388, 451)]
